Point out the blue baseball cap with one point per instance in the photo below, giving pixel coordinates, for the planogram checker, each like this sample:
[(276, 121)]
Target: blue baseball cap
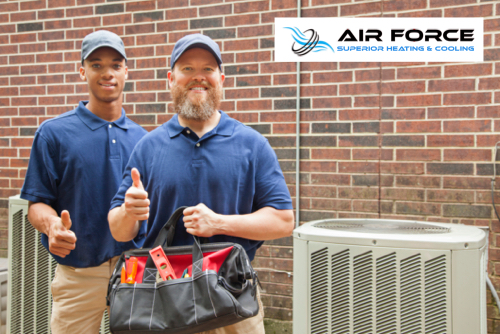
[(195, 41), (100, 39)]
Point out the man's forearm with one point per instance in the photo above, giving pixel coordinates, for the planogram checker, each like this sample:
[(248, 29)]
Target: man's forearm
[(122, 227), (264, 224), (41, 216)]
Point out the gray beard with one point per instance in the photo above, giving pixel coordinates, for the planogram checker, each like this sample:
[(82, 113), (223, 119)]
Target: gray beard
[(198, 111)]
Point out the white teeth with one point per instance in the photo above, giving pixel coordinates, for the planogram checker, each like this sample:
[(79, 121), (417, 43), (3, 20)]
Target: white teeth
[(107, 85), (197, 88)]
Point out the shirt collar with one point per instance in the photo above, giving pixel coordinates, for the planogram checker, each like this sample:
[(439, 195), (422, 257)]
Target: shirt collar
[(94, 122), (225, 127)]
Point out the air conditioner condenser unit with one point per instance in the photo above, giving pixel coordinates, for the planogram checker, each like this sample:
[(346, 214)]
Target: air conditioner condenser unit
[(375, 276)]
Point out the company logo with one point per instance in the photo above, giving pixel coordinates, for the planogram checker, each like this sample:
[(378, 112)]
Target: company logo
[(307, 44)]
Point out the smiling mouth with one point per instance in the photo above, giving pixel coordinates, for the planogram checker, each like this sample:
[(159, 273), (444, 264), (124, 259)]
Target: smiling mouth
[(108, 85), (198, 88)]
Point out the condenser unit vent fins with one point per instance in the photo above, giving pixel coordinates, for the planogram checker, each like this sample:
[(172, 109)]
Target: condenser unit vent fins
[(340, 292), (29, 278), (43, 300), (363, 298), (411, 294), (386, 306), (383, 228), (319, 292), (435, 296), (16, 307)]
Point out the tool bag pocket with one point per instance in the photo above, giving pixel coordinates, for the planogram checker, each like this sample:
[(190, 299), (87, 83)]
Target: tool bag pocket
[(220, 290)]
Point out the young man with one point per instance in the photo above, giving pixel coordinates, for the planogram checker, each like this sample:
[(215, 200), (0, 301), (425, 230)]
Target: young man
[(226, 172), (75, 167)]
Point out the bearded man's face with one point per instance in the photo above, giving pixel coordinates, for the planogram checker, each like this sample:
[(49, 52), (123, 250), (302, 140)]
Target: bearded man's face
[(196, 85)]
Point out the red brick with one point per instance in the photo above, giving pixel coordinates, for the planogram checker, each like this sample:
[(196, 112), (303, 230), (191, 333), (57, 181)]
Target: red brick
[(451, 85), (323, 90), (359, 114), (450, 112), (358, 167), (51, 100), (418, 126), (23, 16), (175, 14), (360, 89), (332, 77), (247, 44), (61, 68), (418, 181), (418, 100), (286, 128), (33, 90), (140, 6), (58, 24), (449, 3), (116, 19), (374, 75), (177, 3), (24, 101), (254, 6), (402, 168), (277, 67), (473, 70), (172, 26), (24, 121), (50, 79), (333, 154), (364, 8), (9, 91), (48, 57), (373, 101), (8, 49), (216, 10), (487, 140), (419, 73), (403, 194), (23, 59), (32, 111), (371, 154), (37, 47), (418, 155), (50, 14), (245, 117), (248, 57), (470, 11), (23, 38), (467, 98), (151, 85), (87, 22), (152, 63), (334, 102), (138, 75), (467, 155), (140, 29), (8, 28), (72, 56), (60, 3), (61, 89), (240, 20), (399, 5), (488, 112), (450, 141), (269, 17), (23, 80), (489, 83), (467, 126), (254, 105), (9, 7), (33, 69), (80, 11), (241, 93)]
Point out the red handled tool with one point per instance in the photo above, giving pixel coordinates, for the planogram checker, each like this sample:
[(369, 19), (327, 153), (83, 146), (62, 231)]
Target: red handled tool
[(162, 264), (131, 270)]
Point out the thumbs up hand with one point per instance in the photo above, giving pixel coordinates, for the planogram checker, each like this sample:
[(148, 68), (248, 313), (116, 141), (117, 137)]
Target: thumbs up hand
[(61, 240), (136, 198)]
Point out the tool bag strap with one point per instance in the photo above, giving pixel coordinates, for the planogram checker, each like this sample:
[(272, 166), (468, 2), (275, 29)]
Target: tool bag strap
[(166, 235)]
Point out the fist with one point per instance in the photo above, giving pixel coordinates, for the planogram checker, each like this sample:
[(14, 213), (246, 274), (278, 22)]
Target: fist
[(61, 240), (201, 221)]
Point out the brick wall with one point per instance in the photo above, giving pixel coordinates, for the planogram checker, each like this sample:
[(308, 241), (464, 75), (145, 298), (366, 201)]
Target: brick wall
[(391, 140)]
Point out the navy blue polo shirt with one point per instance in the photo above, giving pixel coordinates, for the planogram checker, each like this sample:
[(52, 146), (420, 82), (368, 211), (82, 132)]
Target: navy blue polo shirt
[(76, 164), (231, 169)]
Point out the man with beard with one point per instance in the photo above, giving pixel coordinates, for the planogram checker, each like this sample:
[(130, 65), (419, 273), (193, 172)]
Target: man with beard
[(226, 172), (75, 167)]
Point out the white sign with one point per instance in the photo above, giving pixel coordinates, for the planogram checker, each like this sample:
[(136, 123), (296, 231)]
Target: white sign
[(378, 39)]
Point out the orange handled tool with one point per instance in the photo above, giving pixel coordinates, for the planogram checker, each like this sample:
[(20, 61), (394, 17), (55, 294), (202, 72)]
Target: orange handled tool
[(162, 264), (131, 270), (123, 275)]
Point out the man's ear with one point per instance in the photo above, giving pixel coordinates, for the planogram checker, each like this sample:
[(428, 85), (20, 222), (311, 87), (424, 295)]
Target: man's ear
[(82, 74), (170, 78), (222, 78), (126, 72)]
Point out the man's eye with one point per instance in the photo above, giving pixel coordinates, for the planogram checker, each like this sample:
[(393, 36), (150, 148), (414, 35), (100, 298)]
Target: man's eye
[(209, 69), (118, 66), (95, 65)]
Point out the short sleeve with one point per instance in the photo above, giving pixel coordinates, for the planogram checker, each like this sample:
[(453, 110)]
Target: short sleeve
[(40, 183), (270, 185)]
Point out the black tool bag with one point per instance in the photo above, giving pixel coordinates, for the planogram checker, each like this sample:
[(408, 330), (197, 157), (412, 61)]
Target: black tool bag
[(221, 289)]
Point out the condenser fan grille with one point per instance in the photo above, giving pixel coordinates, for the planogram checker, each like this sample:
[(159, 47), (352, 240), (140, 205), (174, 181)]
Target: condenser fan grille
[(382, 227)]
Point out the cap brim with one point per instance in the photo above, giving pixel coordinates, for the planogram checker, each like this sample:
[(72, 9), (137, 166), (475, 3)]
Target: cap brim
[(103, 46), (197, 44)]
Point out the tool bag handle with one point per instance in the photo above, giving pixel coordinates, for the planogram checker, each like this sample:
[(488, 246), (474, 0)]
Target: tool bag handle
[(166, 235)]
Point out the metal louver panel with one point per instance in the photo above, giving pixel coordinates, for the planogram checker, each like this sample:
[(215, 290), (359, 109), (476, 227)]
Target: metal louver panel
[(29, 259), (411, 294), (340, 292), (386, 298), (435, 296), (105, 323), (363, 297), (319, 292), (16, 307), (43, 298)]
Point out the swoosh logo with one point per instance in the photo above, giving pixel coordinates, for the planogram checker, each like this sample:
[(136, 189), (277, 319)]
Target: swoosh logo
[(307, 44)]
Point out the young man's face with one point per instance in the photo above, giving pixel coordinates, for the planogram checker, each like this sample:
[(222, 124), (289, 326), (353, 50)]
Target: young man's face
[(105, 71), (196, 84)]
